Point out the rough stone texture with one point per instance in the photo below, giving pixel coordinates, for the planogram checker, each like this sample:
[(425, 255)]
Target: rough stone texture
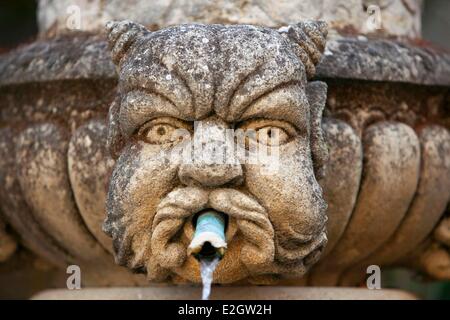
[(416, 226), (68, 83), (81, 56), (42, 161), (38, 203), (226, 293), (16, 210), (89, 168), (384, 60), (221, 76), (361, 103), (391, 172), (398, 17), (84, 56), (341, 178)]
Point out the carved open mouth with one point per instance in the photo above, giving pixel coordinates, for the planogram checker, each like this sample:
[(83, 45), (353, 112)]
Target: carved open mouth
[(229, 210), (239, 233)]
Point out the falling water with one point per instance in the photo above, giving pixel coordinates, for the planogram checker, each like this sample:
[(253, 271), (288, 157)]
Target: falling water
[(207, 267)]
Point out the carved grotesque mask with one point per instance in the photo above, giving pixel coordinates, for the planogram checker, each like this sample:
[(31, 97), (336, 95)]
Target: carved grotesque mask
[(216, 77)]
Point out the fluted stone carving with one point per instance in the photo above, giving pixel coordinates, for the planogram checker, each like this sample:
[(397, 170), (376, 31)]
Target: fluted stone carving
[(366, 184)]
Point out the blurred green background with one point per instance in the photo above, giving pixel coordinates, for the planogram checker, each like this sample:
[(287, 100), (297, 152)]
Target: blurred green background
[(409, 281)]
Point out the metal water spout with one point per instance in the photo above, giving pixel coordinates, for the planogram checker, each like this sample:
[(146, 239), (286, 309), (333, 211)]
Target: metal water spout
[(208, 245), (209, 237)]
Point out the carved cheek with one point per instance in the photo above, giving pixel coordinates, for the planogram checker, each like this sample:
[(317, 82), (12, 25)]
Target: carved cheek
[(141, 178), (291, 194)]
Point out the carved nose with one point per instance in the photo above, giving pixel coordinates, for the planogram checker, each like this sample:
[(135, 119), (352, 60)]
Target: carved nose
[(211, 175)]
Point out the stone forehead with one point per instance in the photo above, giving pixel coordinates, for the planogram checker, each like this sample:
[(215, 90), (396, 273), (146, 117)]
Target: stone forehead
[(211, 66)]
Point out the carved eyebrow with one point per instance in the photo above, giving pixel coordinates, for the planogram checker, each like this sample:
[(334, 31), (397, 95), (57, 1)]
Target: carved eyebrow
[(139, 106), (262, 81), (287, 102), (157, 78)]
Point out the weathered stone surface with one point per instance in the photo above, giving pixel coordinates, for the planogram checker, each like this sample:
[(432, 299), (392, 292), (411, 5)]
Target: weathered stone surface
[(89, 167), (84, 56), (430, 200), (432, 257), (341, 178), (361, 103), (41, 163), (316, 92), (225, 77), (80, 56), (340, 184), (384, 60), (401, 18), (43, 177), (222, 77), (225, 293), (390, 175), (16, 210)]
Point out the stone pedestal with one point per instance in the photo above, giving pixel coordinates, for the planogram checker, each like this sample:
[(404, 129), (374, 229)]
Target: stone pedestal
[(225, 293)]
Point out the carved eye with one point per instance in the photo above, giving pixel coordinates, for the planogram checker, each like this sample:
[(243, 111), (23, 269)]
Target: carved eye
[(163, 131), (268, 132), (272, 136)]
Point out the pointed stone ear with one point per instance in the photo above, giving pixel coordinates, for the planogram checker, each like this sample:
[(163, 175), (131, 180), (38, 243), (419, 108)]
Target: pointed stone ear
[(121, 36), (308, 40), (114, 141), (316, 93)]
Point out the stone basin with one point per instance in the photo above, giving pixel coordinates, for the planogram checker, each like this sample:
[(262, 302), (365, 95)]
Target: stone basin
[(225, 293)]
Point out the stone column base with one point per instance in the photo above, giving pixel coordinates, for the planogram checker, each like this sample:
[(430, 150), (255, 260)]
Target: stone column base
[(225, 293)]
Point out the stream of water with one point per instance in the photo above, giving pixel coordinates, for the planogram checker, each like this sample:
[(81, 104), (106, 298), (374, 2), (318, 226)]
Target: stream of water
[(207, 267)]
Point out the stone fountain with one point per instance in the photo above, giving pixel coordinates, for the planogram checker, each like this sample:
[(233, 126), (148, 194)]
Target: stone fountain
[(88, 175)]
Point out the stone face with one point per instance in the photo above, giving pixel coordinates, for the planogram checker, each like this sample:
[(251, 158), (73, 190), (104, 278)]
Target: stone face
[(395, 17), (237, 77)]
